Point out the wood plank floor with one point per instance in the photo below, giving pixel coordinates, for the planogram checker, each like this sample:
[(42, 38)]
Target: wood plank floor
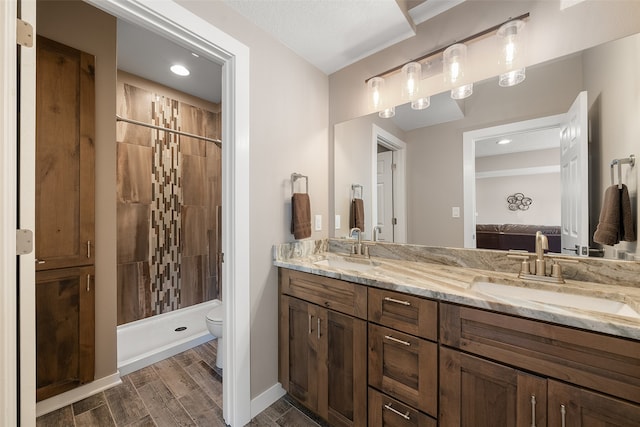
[(183, 390)]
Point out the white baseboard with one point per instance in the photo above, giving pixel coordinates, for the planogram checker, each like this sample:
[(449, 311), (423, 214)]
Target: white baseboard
[(266, 399), (77, 394)]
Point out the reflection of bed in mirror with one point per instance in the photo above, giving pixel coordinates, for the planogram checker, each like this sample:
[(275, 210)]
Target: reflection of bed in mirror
[(516, 236)]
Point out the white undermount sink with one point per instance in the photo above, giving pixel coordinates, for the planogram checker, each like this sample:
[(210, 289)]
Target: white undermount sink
[(346, 263), (562, 299)]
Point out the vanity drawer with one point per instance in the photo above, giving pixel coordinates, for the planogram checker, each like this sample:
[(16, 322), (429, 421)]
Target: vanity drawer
[(344, 297), (406, 313), (405, 367), (385, 411)]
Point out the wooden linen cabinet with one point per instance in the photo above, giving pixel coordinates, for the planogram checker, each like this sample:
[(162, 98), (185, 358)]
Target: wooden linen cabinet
[(65, 212)]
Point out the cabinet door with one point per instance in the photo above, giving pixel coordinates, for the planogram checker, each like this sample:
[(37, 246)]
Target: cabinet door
[(299, 350), (478, 393), (64, 330), (405, 367), (65, 110), (571, 406), (344, 384)]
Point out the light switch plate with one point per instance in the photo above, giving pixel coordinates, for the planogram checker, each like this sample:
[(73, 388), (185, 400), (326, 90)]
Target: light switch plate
[(318, 226), (338, 226), (455, 212)]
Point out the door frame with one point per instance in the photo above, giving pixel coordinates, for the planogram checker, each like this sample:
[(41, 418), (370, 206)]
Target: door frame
[(183, 27), (469, 163), (380, 136)]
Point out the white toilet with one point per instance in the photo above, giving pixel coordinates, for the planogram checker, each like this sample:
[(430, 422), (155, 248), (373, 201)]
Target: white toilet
[(215, 316)]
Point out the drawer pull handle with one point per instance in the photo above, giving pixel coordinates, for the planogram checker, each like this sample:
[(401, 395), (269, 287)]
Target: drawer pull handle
[(310, 320), (395, 411), (88, 282), (563, 413), (390, 338), (533, 410), (318, 328), (397, 301)]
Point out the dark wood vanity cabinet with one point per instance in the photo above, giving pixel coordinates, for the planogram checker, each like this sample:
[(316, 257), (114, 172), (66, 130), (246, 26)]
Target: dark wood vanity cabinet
[(403, 353), (323, 352), (578, 378)]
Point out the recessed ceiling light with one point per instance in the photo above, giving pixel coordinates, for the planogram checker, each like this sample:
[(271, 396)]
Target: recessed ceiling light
[(180, 70), (503, 141)]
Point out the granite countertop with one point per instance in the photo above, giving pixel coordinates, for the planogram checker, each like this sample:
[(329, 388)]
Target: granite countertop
[(571, 304)]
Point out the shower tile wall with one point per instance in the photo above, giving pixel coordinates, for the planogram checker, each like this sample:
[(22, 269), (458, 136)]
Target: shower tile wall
[(169, 196)]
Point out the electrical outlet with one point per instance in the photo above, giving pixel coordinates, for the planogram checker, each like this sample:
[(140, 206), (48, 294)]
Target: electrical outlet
[(318, 226)]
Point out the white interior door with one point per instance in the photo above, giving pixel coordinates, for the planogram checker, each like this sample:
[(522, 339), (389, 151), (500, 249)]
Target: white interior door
[(574, 168), (385, 196)]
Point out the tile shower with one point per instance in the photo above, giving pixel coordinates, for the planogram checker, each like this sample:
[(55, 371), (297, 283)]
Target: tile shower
[(169, 204)]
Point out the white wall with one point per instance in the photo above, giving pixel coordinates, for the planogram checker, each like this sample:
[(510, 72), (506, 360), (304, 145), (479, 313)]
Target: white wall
[(289, 115), (614, 112)]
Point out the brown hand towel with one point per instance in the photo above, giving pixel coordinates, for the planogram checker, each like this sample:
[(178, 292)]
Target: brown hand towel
[(356, 218), (616, 222), (300, 216)]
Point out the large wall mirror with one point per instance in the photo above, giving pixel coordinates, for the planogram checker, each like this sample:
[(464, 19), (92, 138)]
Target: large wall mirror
[(429, 202)]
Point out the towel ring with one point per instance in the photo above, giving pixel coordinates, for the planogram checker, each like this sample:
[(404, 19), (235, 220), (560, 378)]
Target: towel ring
[(631, 160), (354, 187), (296, 176)]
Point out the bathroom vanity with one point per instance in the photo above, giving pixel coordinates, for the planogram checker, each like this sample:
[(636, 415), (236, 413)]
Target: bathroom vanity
[(397, 342)]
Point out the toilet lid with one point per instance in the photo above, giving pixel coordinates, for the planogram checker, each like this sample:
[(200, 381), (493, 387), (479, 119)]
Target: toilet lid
[(216, 314)]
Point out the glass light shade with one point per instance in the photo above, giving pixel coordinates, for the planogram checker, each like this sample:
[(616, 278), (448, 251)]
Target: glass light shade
[(375, 89), (421, 103), (387, 113), (512, 78), (511, 40), (454, 62), (411, 76), (462, 92)]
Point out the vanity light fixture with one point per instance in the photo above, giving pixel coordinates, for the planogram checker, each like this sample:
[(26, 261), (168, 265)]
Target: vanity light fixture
[(180, 70), (511, 53), (454, 59), (454, 62)]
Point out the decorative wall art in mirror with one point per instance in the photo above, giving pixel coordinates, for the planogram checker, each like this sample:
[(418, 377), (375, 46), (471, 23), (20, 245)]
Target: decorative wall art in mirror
[(432, 171)]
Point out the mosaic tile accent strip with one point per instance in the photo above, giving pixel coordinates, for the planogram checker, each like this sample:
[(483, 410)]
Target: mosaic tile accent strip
[(166, 206)]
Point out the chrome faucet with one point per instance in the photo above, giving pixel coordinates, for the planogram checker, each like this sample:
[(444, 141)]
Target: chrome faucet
[(376, 230), (542, 243)]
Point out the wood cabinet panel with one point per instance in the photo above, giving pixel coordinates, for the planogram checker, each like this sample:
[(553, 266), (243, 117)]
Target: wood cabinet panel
[(64, 329), (385, 411), (599, 362), (576, 407), (65, 156), (405, 367), (478, 393), (321, 361), (410, 314), (344, 297)]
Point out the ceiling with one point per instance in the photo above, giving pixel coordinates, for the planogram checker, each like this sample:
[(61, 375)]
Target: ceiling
[(329, 34)]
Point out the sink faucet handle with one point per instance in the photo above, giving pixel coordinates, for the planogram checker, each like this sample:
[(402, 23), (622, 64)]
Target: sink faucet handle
[(525, 265)]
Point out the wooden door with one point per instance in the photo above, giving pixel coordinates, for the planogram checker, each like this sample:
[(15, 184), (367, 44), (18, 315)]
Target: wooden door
[(405, 367), (299, 347), (478, 393), (65, 122), (343, 387), (385, 196), (571, 406), (64, 329)]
